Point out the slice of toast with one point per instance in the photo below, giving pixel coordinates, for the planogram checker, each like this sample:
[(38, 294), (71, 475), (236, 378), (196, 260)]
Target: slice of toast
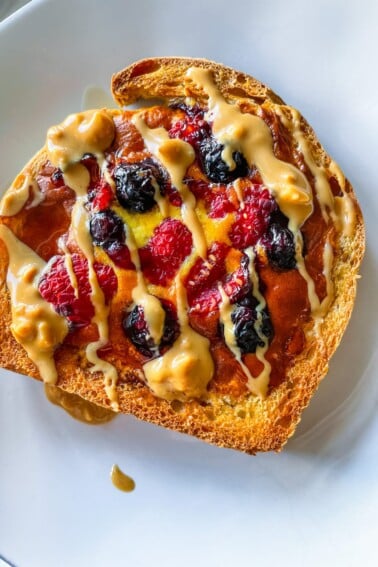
[(329, 243)]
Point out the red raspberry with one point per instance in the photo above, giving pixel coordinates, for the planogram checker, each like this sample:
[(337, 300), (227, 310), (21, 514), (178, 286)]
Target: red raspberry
[(202, 281), (192, 129), (173, 195), (56, 288), (102, 196), (252, 221), (215, 197), (168, 247), (237, 285)]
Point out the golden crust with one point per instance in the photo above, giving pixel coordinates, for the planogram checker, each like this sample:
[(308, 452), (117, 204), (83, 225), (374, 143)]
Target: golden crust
[(249, 424)]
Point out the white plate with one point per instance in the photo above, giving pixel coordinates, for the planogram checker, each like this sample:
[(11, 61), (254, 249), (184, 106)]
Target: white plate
[(314, 504)]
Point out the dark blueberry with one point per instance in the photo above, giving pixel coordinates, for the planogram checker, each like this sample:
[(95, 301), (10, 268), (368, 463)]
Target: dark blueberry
[(136, 183), (280, 246), (210, 156), (106, 227), (244, 319), (57, 178), (135, 327), (194, 111)]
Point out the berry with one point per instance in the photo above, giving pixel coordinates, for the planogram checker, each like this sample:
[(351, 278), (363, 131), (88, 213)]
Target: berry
[(173, 195), (135, 327), (203, 278), (106, 227), (280, 247), (244, 319), (191, 129), (164, 253), (217, 170), (135, 185), (101, 196), (120, 254), (57, 178), (56, 288), (237, 285), (216, 197), (252, 221)]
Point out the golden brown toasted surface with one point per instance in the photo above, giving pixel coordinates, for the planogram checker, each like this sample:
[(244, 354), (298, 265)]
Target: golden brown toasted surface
[(245, 422)]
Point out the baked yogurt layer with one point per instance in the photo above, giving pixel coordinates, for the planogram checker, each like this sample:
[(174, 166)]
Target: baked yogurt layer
[(192, 263)]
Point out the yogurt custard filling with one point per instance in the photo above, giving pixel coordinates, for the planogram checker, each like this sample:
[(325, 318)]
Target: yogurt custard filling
[(181, 247)]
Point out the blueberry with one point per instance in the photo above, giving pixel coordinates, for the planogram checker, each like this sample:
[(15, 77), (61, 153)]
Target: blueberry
[(244, 319), (136, 183), (210, 157), (136, 329), (280, 246), (106, 227)]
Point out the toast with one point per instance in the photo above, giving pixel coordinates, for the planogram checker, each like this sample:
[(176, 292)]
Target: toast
[(212, 233)]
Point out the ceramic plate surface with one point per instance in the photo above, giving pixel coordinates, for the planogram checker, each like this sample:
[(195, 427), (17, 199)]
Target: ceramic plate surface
[(314, 504)]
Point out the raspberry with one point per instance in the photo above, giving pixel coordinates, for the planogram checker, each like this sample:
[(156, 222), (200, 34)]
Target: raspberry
[(238, 284), (120, 254), (168, 247), (193, 128), (215, 197), (252, 221), (173, 195), (56, 288), (101, 196), (202, 281)]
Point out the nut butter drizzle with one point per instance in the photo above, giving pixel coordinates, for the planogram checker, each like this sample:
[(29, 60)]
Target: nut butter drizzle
[(86, 132), (184, 371), (322, 187), (257, 385), (330, 205), (345, 207), (154, 313), (77, 407), (18, 194), (176, 156), (35, 324)]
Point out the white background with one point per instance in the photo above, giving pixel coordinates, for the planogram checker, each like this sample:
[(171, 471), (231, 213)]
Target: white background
[(196, 505)]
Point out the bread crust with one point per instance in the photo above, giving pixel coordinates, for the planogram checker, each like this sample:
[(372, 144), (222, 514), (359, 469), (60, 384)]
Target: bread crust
[(249, 424)]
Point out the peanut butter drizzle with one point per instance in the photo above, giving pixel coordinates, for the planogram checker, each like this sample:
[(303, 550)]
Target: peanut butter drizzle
[(154, 313), (344, 206), (341, 209), (18, 194), (86, 132), (35, 324), (176, 156), (91, 132), (257, 385), (261, 304), (185, 370), (250, 135), (77, 407), (322, 187), (121, 480)]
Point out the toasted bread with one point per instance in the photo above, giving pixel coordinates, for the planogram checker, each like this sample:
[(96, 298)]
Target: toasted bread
[(225, 416)]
